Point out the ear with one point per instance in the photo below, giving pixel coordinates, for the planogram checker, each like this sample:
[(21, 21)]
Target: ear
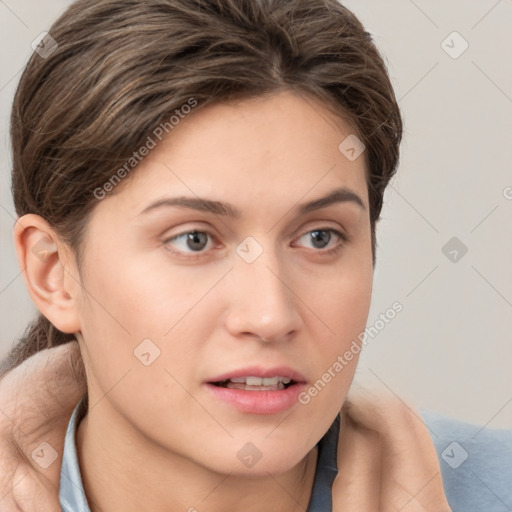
[(50, 271)]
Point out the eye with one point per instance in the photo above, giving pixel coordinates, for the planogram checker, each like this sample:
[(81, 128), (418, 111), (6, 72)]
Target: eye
[(324, 238), (190, 241)]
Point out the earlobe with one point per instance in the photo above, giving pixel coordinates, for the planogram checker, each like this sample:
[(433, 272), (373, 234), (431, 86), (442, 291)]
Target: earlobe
[(45, 260)]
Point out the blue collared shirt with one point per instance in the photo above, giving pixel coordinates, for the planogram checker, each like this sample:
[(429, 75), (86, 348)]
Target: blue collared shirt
[(71, 492), (476, 465)]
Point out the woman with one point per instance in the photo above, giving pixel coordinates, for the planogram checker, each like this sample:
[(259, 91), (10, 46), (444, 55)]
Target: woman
[(198, 185)]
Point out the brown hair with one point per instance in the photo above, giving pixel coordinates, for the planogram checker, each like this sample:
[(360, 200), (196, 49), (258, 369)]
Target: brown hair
[(122, 67)]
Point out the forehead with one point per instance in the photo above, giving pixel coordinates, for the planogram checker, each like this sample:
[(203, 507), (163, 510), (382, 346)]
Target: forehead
[(283, 146)]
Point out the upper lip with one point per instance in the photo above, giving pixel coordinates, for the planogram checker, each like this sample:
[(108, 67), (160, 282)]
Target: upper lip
[(257, 371)]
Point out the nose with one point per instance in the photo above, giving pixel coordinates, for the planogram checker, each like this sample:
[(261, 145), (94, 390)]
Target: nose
[(263, 303)]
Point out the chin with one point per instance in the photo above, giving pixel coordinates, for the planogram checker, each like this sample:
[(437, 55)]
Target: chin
[(256, 459)]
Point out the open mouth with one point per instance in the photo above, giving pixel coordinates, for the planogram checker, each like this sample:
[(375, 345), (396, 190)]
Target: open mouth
[(257, 390), (277, 383)]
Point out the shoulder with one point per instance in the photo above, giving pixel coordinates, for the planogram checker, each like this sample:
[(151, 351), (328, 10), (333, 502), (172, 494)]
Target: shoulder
[(476, 463)]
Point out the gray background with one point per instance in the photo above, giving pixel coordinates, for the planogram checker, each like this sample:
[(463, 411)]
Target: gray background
[(450, 348)]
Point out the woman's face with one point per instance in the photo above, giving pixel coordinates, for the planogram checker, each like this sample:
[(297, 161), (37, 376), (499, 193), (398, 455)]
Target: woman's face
[(221, 237)]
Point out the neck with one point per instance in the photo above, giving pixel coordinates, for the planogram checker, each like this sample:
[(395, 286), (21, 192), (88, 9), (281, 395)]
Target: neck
[(123, 470)]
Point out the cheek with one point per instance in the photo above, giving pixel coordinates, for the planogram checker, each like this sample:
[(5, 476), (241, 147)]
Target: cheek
[(139, 306), (144, 296), (342, 302), (344, 311), (341, 297), (349, 307)]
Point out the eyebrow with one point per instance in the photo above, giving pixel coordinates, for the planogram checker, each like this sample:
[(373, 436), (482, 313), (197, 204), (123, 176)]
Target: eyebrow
[(195, 203), (340, 195)]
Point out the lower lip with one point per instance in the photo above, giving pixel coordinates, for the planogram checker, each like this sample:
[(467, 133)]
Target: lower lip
[(258, 402)]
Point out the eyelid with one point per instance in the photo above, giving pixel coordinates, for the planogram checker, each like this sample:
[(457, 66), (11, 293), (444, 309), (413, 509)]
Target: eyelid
[(185, 230)]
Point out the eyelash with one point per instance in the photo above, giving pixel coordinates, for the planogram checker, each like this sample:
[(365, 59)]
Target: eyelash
[(343, 240)]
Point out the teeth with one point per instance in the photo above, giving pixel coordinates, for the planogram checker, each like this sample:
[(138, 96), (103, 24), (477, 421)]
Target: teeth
[(252, 383), (237, 385), (258, 381)]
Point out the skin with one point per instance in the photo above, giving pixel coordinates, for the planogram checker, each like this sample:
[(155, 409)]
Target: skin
[(382, 440), (154, 437)]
